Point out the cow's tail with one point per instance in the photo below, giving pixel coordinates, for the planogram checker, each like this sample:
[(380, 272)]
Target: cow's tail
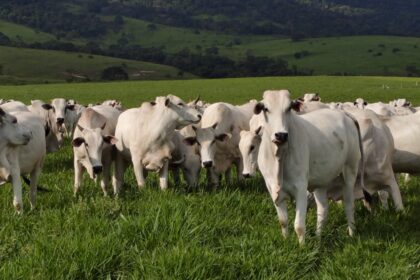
[(28, 182), (367, 196)]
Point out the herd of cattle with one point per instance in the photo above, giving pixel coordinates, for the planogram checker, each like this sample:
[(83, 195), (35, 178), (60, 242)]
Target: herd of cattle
[(302, 147)]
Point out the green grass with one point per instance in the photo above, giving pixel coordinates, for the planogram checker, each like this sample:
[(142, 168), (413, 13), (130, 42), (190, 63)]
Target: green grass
[(51, 66), (232, 233)]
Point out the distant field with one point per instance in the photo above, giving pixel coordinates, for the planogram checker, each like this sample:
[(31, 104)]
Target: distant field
[(232, 233), (230, 90), (56, 66)]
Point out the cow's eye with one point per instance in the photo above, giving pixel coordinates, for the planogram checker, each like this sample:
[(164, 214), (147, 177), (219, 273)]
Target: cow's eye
[(180, 104), (251, 148), (14, 121), (266, 110)]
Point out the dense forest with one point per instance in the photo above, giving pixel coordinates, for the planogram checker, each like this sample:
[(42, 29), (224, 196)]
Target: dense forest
[(298, 18)]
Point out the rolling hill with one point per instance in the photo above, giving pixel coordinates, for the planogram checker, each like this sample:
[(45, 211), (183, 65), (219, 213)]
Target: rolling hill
[(19, 65)]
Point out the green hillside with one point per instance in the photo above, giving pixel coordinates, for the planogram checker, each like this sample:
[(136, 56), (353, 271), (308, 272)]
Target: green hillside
[(354, 55), (18, 32), (30, 65)]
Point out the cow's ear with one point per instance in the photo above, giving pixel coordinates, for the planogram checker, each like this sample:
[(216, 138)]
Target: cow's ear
[(70, 107), (167, 102), (110, 139), (258, 130), (47, 106), (258, 108), (365, 103), (296, 105), (190, 140), (76, 142), (222, 137), (214, 125), (354, 103)]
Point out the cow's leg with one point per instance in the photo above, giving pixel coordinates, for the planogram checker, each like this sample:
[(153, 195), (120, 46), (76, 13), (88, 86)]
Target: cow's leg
[(78, 172), (120, 165), (163, 176), (106, 172), (301, 208), (228, 176), (239, 170), (175, 174), (396, 194), (349, 175), (407, 178), (17, 190), (383, 197), (34, 184), (215, 178), (138, 171), (321, 200), (280, 202)]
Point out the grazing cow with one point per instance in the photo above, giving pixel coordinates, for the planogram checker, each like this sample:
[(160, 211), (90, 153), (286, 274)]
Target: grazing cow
[(145, 135), (93, 142), (405, 131), (219, 136), (378, 148), (114, 103), (54, 134), (72, 116), (14, 106), (25, 157), (306, 152)]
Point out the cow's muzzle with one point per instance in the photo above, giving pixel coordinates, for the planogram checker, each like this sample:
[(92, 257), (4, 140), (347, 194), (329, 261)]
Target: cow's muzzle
[(207, 164), (280, 138), (60, 121), (97, 169)]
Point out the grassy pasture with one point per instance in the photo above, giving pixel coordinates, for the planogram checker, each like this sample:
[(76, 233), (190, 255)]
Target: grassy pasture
[(232, 233)]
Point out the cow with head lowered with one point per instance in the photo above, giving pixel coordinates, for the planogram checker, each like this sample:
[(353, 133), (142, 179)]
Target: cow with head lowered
[(307, 152), (93, 145), (145, 137)]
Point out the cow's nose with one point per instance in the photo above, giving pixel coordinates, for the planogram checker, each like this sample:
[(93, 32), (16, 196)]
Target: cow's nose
[(247, 175), (97, 169), (281, 137), (60, 120), (208, 164)]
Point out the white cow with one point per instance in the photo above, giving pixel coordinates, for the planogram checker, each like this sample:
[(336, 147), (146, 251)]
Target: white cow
[(93, 142), (54, 134), (185, 157), (249, 145), (219, 137), (405, 130), (72, 116), (378, 148), (14, 106), (145, 135), (26, 159), (306, 152), (114, 103), (60, 106)]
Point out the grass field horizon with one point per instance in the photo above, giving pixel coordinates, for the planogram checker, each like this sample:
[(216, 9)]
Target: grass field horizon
[(231, 233)]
